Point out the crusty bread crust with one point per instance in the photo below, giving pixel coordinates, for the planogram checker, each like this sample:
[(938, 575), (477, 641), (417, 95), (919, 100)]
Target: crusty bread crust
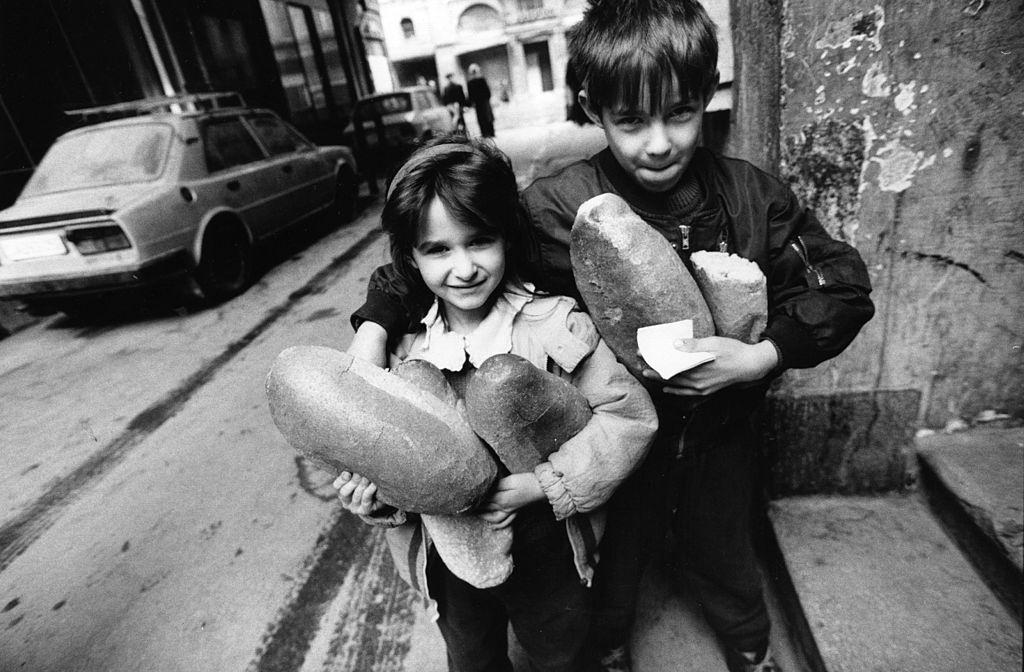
[(347, 414), (630, 277), (524, 414), (736, 292)]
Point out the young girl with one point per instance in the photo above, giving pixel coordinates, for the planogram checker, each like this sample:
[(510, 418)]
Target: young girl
[(451, 215)]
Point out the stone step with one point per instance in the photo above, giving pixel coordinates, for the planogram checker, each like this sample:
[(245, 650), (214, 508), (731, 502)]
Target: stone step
[(974, 481), (881, 587)]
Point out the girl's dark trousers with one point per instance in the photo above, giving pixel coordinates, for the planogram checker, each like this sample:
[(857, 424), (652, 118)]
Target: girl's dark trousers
[(547, 605)]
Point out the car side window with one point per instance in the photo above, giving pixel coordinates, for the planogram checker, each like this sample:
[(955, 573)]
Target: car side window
[(275, 136), (228, 143)]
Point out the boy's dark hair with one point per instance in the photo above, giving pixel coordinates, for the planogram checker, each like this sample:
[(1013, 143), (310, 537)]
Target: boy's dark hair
[(474, 181), (628, 51)]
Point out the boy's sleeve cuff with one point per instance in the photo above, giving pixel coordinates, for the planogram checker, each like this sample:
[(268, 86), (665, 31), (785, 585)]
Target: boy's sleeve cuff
[(382, 309), (796, 346)]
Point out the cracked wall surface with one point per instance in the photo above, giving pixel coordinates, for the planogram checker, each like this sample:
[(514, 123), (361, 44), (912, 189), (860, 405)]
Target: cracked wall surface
[(902, 125)]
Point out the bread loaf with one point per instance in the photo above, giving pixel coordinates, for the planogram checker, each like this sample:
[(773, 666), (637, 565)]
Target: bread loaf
[(474, 551), (522, 412), (736, 292), (347, 414), (630, 277)]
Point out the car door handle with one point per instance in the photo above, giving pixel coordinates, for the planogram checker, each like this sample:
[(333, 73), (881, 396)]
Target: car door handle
[(234, 185), (287, 168)]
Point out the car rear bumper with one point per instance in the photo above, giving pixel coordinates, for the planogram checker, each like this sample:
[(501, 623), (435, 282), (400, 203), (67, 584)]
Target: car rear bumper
[(167, 269)]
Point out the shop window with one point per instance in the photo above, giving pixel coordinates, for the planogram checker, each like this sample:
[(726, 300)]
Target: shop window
[(337, 70), (314, 75), (229, 48), (408, 30)]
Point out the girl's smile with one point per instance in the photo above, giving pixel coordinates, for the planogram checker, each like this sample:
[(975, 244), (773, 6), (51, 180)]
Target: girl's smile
[(462, 265)]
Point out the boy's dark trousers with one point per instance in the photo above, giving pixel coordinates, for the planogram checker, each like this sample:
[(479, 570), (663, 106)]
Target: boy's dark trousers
[(545, 601), (703, 498)]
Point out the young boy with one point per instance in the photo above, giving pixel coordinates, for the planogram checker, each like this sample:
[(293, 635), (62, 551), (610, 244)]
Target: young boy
[(649, 69)]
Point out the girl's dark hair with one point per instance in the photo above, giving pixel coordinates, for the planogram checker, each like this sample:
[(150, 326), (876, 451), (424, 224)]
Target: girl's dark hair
[(475, 183), (626, 52)]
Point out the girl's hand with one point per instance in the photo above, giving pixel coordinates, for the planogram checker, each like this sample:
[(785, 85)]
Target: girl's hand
[(735, 362), (357, 493), (509, 495)]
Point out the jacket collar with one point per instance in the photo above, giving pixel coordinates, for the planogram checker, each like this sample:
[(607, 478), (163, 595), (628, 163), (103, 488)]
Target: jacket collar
[(449, 350)]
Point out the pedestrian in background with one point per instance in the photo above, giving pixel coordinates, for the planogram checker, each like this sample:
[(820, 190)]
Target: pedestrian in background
[(479, 94), (454, 98)]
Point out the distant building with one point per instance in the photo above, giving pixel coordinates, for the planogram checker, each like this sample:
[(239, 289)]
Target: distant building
[(519, 44), (307, 59)]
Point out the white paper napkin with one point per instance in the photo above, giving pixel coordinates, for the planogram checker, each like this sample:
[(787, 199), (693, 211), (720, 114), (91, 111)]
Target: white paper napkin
[(656, 347)]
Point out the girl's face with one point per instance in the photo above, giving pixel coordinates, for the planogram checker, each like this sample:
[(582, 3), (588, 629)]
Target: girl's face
[(463, 266)]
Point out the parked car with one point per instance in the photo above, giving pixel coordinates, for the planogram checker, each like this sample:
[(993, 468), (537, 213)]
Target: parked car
[(169, 193), (391, 124)]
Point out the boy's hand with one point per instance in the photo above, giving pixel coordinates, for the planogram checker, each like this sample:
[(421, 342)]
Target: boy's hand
[(510, 494), (735, 362), (357, 494)]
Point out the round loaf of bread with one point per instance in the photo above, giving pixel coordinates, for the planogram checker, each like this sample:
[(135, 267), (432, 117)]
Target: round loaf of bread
[(736, 292), (522, 412), (347, 414), (630, 277)]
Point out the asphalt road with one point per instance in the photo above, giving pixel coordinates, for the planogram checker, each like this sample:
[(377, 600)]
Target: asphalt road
[(154, 519)]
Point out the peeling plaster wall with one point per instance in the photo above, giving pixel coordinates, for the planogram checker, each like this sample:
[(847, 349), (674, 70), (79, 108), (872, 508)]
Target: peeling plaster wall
[(902, 124)]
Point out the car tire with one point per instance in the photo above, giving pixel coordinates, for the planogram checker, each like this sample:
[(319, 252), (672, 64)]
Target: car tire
[(226, 266), (346, 196)]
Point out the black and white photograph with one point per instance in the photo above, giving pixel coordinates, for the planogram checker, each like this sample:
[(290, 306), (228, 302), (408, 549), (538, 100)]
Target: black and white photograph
[(511, 336)]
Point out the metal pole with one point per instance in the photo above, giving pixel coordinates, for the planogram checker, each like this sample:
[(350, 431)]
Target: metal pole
[(154, 49)]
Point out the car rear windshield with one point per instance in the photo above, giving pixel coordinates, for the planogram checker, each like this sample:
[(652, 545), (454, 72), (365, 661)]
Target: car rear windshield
[(102, 157), (393, 104)]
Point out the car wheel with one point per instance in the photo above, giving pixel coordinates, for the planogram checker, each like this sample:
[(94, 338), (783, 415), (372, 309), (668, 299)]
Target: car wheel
[(346, 196), (226, 265)]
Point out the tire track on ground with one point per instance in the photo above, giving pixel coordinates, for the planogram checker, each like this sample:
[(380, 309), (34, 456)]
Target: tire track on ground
[(17, 534)]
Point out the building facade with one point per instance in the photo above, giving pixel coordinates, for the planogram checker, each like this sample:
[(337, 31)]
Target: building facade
[(307, 59), (518, 44)]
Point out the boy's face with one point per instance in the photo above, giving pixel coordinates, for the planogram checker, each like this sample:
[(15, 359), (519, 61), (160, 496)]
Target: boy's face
[(654, 146)]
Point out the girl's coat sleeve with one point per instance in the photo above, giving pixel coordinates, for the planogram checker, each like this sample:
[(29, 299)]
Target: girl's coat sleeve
[(582, 474)]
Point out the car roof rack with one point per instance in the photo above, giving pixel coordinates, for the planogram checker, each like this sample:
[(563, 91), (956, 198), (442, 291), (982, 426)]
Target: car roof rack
[(181, 104)]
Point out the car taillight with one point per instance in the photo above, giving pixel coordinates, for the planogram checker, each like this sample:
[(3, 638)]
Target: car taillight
[(96, 239)]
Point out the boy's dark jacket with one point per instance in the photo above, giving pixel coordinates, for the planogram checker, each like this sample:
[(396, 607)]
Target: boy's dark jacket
[(818, 287)]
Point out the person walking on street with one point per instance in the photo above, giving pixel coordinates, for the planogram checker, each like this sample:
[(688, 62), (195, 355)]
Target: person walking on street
[(479, 94), (454, 98)]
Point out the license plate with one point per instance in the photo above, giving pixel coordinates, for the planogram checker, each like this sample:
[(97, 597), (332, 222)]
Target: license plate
[(33, 246)]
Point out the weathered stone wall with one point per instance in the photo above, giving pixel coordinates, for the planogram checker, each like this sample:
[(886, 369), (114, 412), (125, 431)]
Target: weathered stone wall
[(902, 124)]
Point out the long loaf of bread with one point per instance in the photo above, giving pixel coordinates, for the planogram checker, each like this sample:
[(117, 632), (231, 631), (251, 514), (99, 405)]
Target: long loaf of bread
[(471, 549), (347, 414), (630, 277)]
